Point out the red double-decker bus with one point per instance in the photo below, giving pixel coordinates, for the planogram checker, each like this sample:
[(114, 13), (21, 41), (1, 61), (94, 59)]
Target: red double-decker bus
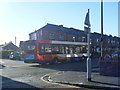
[(42, 52)]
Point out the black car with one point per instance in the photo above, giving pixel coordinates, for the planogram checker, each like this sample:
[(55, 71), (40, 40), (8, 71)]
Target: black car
[(14, 55)]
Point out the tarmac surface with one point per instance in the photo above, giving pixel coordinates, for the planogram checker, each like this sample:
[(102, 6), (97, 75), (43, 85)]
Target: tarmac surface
[(72, 75), (79, 79)]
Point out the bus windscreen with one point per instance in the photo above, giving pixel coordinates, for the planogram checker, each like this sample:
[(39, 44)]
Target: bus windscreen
[(29, 46)]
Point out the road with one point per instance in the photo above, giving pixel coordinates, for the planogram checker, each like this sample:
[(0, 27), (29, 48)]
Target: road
[(17, 74)]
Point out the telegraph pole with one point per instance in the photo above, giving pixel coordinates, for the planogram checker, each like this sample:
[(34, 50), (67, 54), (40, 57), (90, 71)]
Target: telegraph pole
[(101, 29), (15, 40)]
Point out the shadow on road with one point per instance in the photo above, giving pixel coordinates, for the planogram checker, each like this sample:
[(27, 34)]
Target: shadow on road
[(13, 59), (98, 82), (9, 83), (71, 66), (74, 66), (80, 66), (1, 66), (85, 86)]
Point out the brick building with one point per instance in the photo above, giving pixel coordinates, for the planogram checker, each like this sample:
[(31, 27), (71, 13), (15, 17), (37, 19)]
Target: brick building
[(58, 32), (61, 33), (9, 46)]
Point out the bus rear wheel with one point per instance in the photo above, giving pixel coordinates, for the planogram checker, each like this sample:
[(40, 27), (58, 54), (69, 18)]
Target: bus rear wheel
[(83, 57)]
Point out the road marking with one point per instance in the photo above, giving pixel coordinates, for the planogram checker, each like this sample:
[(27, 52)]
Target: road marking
[(1, 62), (80, 83), (48, 75)]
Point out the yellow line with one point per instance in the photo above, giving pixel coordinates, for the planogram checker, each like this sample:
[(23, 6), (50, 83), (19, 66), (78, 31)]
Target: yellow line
[(80, 83), (56, 83)]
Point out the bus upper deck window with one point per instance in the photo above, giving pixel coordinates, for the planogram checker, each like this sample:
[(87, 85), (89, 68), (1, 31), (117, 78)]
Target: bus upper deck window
[(31, 47)]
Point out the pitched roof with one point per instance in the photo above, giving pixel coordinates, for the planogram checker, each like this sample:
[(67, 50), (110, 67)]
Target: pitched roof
[(64, 29), (9, 46), (61, 28), (70, 30)]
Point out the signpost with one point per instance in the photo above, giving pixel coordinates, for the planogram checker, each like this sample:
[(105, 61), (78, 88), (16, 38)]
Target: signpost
[(87, 29), (88, 59)]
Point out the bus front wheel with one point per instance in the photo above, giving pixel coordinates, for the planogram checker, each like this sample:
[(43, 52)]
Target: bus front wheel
[(55, 60)]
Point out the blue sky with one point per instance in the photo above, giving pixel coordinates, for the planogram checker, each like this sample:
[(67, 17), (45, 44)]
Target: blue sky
[(21, 18)]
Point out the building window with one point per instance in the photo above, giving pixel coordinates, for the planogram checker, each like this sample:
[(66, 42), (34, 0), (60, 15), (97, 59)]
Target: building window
[(33, 36), (108, 40), (83, 39), (118, 43), (97, 40), (79, 38), (61, 37), (113, 42), (74, 38), (52, 36), (90, 41)]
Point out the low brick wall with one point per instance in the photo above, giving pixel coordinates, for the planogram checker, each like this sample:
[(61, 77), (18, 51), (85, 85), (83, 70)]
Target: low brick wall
[(110, 67), (5, 54)]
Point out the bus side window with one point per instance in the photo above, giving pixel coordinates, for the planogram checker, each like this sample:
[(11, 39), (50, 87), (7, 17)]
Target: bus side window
[(55, 49), (71, 50), (77, 50), (63, 50), (66, 50), (83, 49), (48, 49)]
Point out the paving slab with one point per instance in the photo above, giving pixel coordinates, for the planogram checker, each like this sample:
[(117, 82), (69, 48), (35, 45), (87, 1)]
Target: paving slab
[(79, 79)]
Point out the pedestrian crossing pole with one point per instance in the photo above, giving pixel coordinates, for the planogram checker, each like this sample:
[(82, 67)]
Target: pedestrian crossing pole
[(87, 29)]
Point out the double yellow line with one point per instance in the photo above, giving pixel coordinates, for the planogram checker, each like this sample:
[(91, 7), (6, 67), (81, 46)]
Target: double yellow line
[(48, 75)]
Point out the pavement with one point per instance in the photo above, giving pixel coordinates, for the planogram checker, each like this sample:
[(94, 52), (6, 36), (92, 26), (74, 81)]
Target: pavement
[(78, 79), (1, 64)]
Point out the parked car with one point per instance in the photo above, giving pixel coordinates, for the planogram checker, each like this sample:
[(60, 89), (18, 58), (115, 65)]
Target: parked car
[(15, 55)]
